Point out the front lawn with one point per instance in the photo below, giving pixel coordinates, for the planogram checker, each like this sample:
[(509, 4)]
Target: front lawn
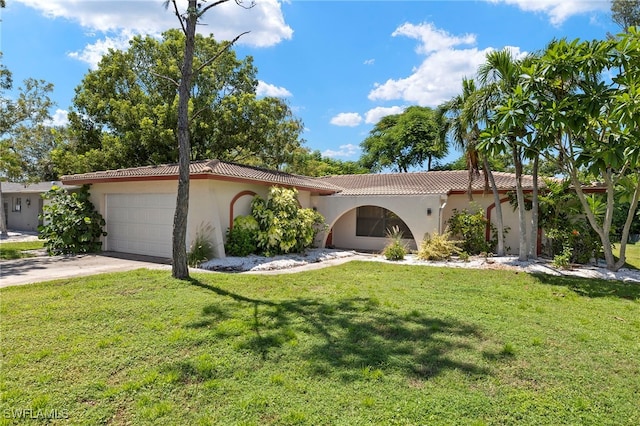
[(632, 254), (357, 344), (17, 250)]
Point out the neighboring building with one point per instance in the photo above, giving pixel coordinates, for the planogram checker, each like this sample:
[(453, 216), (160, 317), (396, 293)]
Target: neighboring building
[(138, 204), (23, 204)]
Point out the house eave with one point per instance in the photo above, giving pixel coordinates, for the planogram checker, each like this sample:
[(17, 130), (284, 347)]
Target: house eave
[(199, 176)]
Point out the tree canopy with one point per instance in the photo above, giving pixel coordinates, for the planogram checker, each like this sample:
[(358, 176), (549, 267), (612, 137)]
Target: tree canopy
[(312, 163), (562, 107), (625, 13), (402, 141), (124, 113), (25, 137)]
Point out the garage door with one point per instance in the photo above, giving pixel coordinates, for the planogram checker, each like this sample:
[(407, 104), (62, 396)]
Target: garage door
[(140, 223)]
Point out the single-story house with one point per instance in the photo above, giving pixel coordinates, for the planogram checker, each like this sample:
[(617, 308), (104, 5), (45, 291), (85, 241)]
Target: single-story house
[(22, 203), (138, 203)]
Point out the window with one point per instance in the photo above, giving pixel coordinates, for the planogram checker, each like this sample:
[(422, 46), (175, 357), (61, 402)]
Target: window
[(373, 221), (17, 204)]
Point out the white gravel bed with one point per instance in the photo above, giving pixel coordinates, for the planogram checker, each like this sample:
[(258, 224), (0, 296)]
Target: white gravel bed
[(255, 263)]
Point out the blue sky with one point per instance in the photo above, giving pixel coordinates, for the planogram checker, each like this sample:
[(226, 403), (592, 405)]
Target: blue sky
[(341, 65)]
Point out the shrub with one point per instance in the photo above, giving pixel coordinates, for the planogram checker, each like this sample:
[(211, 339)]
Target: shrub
[(396, 249), (438, 247), (241, 239), (565, 226), (201, 249), (563, 260), (72, 224), (470, 228), (283, 226), (576, 238)]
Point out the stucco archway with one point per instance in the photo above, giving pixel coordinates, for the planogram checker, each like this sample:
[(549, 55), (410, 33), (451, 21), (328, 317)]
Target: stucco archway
[(421, 214), (232, 204), (371, 224)]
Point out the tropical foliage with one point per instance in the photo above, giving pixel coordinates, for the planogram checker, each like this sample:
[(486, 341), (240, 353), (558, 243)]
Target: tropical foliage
[(470, 227), (438, 247), (241, 238), (396, 249), (277, 225), (557, 107), (71, 224)]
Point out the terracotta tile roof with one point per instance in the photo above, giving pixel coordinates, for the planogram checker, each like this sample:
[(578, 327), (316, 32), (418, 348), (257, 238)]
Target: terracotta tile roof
[(418, 183), (207, 168)]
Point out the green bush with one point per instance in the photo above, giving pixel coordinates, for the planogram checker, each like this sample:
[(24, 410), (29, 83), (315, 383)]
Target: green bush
[(563, 260), (438, 247), (283, 226), (396, 249), (201, 249), (565, 226), (470, 229), (72, 224), (577, 238), (241, 239)]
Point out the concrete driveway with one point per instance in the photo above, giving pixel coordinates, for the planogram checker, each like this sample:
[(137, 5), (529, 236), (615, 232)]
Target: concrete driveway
[(45, 268)]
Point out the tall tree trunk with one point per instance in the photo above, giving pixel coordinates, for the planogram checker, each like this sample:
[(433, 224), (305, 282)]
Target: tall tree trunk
[(498, 204), (522, 218), (533, 242), (602, 231), (180, 268)]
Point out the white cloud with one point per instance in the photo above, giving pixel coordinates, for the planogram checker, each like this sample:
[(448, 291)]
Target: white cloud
[(348, 119), (348, 150), (374, 115), (559, 10), (117, 20), (439, 76), (432, 38), (59, 118), (369, 62), (266, 89), (92, 53)]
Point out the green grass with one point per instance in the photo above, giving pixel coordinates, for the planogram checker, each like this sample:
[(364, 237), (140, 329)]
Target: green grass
[(357, 344), (16, 250), (632, 254)]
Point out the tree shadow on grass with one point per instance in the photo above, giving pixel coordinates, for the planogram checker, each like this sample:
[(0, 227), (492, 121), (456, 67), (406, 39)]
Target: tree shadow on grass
[(590, 287), (356, 337)]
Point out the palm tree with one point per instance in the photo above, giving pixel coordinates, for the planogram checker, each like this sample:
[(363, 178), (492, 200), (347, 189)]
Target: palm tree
[(456, 126), (499, 77), (461, 117)]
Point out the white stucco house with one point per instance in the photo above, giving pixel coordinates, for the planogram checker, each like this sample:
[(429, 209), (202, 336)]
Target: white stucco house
[(138, 203)]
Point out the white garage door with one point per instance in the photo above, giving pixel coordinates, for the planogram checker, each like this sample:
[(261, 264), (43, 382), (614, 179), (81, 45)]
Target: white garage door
[(140, 223)]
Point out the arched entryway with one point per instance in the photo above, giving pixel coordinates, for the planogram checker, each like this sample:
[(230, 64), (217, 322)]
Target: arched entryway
[(366, 228)]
